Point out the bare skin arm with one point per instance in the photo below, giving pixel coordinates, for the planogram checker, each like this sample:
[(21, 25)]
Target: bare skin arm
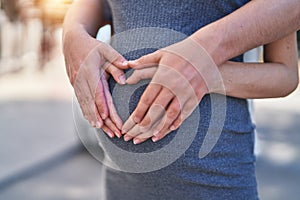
[(257, 23), (88, 62), (276, 77), (87, 14)]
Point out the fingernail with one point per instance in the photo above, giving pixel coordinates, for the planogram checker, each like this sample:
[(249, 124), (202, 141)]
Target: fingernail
[(122, 79), (98, 125), (173, 128), (155, 133), (125, 63), (118, 134), (136, 141), (126, 138), (154, 139), (131, 62), (111, 135)]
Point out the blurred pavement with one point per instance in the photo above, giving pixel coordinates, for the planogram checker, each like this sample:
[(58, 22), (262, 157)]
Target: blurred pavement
[(278, 163), (41, 157)]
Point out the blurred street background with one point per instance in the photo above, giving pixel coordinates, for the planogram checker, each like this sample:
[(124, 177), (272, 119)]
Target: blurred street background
[(41, 157)]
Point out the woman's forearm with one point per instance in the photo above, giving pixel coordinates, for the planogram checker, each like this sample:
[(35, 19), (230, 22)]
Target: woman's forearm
[(84, 16), (257, 23), (258, 80), (81, 23)]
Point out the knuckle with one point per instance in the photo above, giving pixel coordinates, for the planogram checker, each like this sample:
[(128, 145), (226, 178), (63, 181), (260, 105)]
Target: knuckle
[(147, 121), (141, 60), (146, 101), (173, 112), (137, 116)]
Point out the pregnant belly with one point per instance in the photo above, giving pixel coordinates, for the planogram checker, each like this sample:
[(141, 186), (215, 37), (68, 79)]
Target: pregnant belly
[(149, 156), (125, 156)]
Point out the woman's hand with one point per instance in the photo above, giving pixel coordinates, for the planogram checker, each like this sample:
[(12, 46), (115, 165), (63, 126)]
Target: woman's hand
[(182, 74), (88, 63)]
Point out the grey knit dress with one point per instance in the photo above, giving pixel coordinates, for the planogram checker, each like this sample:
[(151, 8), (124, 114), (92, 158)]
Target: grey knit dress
[(228, 170)]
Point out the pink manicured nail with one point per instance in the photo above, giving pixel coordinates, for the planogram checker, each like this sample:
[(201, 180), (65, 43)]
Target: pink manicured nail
[(173, 128), (122, 79), (118, 134), (131, 62), (126, 138), (136, 141), (125, 63), (154, 139), (111, 135), (98, 125)]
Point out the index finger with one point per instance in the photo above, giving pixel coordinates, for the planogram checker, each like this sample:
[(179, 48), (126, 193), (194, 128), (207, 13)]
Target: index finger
[(112, 110), (145, 102), (112, 56)]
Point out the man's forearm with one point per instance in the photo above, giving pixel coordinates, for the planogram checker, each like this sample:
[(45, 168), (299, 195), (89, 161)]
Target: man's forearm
[(258, 22)]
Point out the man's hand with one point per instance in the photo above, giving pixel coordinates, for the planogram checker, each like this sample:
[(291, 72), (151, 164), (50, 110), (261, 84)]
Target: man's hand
[(88, 64), (182, 74)]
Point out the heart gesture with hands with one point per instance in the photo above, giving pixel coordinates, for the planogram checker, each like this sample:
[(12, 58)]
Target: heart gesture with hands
[(181, 75)]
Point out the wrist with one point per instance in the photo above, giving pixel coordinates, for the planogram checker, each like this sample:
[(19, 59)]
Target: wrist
[(210, 39), (76, 37), (72, 31)]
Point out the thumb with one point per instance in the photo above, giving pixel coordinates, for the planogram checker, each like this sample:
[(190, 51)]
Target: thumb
[(118, 74), (146, 61), (141, 74)]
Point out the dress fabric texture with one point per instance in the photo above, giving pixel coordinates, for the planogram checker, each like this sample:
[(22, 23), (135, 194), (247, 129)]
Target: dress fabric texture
[(228, 171)]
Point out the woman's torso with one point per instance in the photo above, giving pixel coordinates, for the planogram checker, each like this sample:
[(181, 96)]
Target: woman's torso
[(227, 172)]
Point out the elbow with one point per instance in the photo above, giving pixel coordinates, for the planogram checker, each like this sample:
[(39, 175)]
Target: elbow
[(290, 90), (292, 83)]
